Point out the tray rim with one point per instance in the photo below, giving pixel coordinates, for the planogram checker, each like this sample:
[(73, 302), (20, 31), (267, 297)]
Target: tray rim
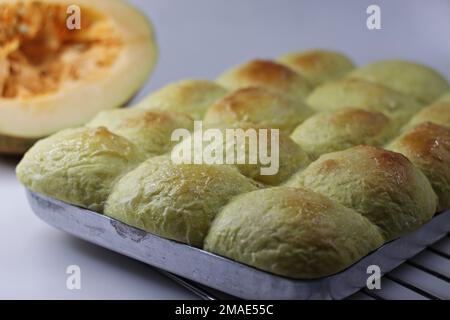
[(319, 287)]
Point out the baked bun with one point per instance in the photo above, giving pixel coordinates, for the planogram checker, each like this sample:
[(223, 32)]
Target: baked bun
[(256, 107), (292, 232), (318, 66), (445, 98), (364, 95), (438, 112), (269, 75), (192, 97), (150, 130), (383, 186), (341, 129), (327, 214), (175, 201), (78, 166), (416, 80), (427, 145), (291, 158)]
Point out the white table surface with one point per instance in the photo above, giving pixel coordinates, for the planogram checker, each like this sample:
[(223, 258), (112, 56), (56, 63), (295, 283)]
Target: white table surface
[(200, 39)]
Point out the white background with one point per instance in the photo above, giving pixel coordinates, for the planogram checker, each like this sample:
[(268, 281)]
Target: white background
[(200, 39)]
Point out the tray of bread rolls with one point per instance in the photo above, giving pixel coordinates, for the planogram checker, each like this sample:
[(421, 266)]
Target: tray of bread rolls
[(363, 177)]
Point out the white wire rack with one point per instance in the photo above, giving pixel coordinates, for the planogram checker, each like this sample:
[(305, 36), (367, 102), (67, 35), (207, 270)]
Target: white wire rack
[(424, 277)]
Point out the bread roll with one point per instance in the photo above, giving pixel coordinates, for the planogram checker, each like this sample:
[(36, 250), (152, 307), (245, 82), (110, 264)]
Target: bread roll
[(416, 80), (192, 97), (327, 214), (256, 107), (290, 157), (318, 66), (78, 166), (364, 95), (341, 129), (445, 98), (383, 186), (175, 201), (427, 145), (292, 232), (269, 75), (150, 130), (438, 112)]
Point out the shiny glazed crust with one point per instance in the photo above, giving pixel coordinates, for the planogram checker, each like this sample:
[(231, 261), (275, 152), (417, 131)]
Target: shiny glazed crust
[(269, 75), (79, 166), (383, 186), (318, 66), (364, 95), (292, 232), (178, 202), (291, 157), (192, 97), (150, 130), (438, 113), (342, 129), (427, 145), (256, 107)]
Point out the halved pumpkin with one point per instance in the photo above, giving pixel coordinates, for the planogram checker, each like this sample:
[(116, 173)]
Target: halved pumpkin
[(53, 76)]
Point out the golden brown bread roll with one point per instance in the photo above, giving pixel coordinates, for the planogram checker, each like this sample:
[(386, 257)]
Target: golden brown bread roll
[(292, 232), (341, 129), (383, 186), (364, 95), (318, 66), (79, 166), (175, 201), (290, 158), (438, 112), (419, 81), (427, 145), (269, 75), (192, 97), (256, 107), (150, 130)]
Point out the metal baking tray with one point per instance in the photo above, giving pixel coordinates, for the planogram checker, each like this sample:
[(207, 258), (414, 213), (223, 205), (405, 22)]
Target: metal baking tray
[(223, 274)]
